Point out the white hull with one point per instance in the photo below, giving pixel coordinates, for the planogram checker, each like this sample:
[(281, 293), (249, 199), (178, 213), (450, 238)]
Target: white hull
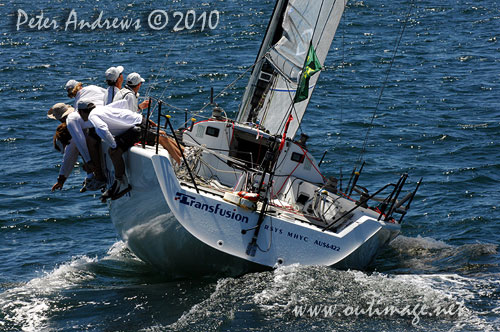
[(145, 223), (173, 228)]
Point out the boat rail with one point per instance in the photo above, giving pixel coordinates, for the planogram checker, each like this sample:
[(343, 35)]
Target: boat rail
[(386, 208)]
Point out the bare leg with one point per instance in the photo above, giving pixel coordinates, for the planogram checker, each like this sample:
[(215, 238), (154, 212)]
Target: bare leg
[(171, 146)]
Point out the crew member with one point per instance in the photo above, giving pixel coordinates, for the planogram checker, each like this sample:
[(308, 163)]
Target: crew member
[(64, 142), (76, 90), (78, 129), (114, 79), (120, 128), (60, 112), (130, 93)]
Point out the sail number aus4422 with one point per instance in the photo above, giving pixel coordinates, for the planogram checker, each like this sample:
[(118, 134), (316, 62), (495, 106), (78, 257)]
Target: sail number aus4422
[(326, 245)]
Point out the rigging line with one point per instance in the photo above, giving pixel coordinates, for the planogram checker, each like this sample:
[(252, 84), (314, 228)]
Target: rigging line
[(313, 165), (230, 84), (276, 67), (219, 156), (162, 68), (163, 93), (328, 17), (285, 118), (292, 109), (172, 106), (292, 106), (275, 195), (341, 106), (317, 20), (398, 41), (161, 96), (170, 80), (157, 76), (342, 76)]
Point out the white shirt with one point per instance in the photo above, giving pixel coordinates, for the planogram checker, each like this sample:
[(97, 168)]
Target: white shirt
[(76, 127), (113, 120), (131, 98), (92, 93), (78, 143), (109, 95), (75, 123), (69, 159)]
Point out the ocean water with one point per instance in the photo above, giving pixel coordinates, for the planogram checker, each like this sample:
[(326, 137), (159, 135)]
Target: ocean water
[(62, 267)]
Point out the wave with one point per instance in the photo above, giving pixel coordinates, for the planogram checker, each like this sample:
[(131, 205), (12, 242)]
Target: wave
[(30, 306), (274, 297), (427, 255), (270, 297)]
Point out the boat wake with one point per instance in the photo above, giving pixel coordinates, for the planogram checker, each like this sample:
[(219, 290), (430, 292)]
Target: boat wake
[(132, 296), (427, 255), (29, 306), (299, 298)]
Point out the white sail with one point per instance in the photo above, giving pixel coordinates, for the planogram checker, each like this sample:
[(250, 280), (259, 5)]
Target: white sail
[(262, 70), (303, 23)]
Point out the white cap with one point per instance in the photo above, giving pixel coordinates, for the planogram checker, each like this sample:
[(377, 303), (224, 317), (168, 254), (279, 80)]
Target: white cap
[(134, 79), (59, 111), (71, 84), (113, 73), (84, 104)]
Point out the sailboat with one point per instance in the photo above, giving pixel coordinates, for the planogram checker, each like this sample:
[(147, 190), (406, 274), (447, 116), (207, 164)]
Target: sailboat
[(248, 195)]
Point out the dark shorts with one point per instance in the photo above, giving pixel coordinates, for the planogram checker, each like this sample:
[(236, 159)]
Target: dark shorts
[(135, 135), (126, 140), (92, 133)]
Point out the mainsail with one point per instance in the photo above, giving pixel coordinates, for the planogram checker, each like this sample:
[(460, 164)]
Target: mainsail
[(294, 27)]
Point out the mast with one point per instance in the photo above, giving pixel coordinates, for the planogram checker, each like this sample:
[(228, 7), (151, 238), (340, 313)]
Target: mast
[(294, 27), (262, 72)]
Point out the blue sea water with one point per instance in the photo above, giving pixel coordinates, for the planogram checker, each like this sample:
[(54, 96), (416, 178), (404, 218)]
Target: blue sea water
[(62, 267)]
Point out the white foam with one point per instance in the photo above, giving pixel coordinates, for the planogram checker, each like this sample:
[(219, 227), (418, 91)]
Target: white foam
[(432, 290), (28, 306), (117, 249), (209, 308), (275, 294), (285, 279), (404, 242)]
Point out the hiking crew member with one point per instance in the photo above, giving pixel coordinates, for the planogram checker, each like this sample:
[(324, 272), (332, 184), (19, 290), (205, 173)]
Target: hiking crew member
[(78, 129), (76, 90), (60, 112), (110, 122), (121, 128)]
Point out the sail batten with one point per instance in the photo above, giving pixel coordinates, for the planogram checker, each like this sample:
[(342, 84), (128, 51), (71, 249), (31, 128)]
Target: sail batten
[(303, 23)]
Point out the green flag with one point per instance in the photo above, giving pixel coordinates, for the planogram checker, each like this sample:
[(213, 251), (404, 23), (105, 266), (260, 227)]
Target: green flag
[(311, 66)]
